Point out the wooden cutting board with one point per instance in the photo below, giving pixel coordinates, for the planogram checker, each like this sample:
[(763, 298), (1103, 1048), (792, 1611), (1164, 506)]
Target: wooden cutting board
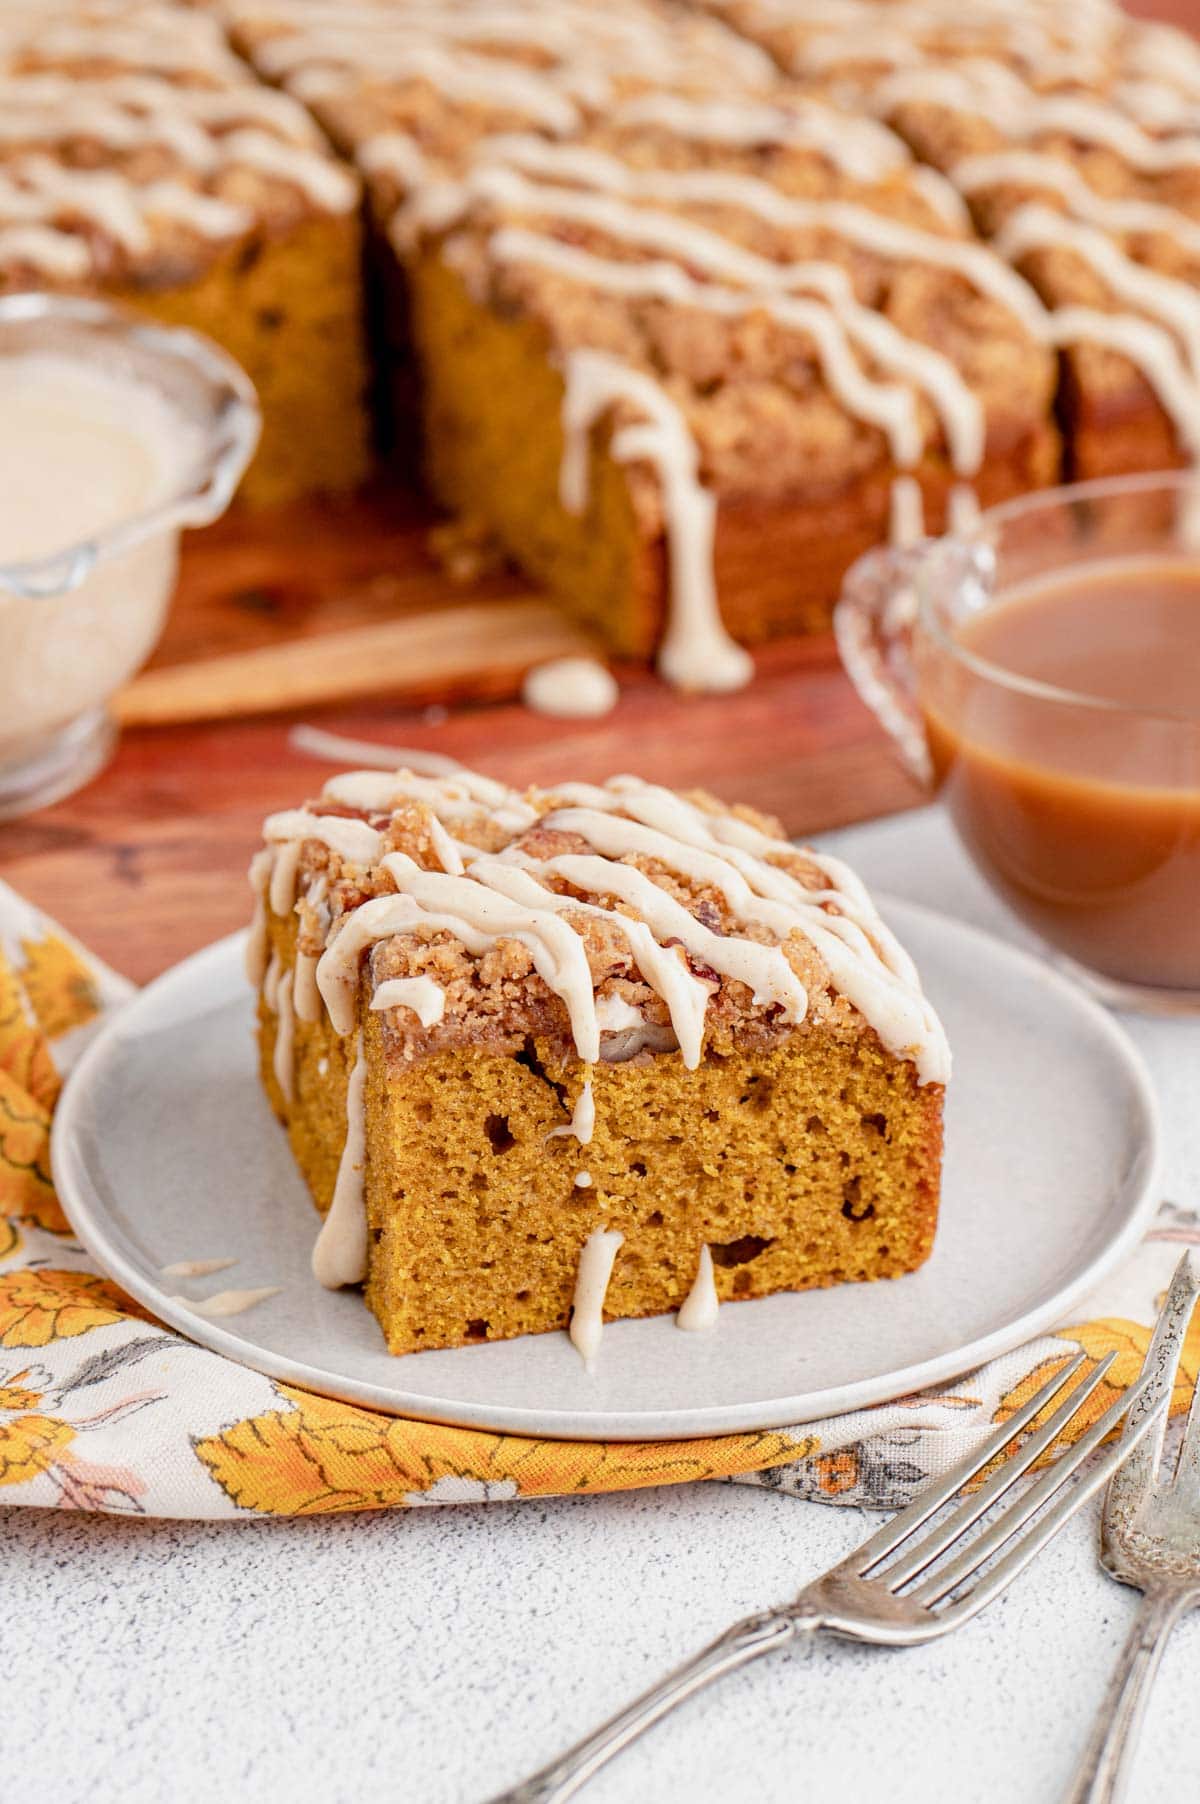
[(360, 576)]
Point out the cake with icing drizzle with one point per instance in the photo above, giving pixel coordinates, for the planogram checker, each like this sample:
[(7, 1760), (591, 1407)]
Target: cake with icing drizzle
[(702, 299), (601, 1050), (141, 159), (1073, 134), (668, 312)]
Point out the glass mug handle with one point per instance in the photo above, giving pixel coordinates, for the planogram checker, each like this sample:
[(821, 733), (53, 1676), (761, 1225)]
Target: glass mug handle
[(873, 624), (874, 621)]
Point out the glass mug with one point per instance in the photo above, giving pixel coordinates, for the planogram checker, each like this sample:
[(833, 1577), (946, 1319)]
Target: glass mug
[(1083, 812)]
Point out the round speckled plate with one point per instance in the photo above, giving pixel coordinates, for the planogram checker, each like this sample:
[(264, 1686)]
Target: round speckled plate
[(165, 1150)]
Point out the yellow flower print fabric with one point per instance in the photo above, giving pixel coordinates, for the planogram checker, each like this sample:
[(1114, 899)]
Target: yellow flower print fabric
[(102, 1408)]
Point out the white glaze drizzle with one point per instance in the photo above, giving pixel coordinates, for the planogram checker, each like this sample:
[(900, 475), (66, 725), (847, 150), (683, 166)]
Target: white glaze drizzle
[(1039, 169), (992, 92), (859, 147), (340, 1254), (686, 996), (701, 1305), (582, 1124), (504, 181), (227, 1302), (961, 413), (35, 188), (696, 651), (448, 854), (477, 916), (907, 512), (326, 183), (45, 248), (963, 509), (284, 1056), (1173, 303), (616, 1016), (196, 1268), (889, 408), (772, 287), (506, 897), (186, 43), (257, 942), (317, 743), (270, 985), (866, 962), (764, 970), (1151, 350), (462, 795), (596, 1260), (583, 1180), (352, 840), (282, 890), (333, 51), (570, 689), (426, 999), (42, 201), (306, 998), (311, 69)]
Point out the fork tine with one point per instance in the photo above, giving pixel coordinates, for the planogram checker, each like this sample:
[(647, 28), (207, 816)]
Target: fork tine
[(899, 1527), (1187, 1470), (1030, 1502), (932, 1545), (1135, 1478), (1030, 1545)]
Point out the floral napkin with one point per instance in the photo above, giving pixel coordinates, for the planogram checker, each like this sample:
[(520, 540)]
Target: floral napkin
[(101, 1408)]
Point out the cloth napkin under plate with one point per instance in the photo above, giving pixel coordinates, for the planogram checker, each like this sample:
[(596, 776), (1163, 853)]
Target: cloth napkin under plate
[(102, 1408)]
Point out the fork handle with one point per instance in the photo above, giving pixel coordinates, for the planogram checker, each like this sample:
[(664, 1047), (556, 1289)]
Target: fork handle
[(1108, 1758), (745, 1641)]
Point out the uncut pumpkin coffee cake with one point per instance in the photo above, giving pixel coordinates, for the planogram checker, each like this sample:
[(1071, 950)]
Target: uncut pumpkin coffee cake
[(593, 1051)]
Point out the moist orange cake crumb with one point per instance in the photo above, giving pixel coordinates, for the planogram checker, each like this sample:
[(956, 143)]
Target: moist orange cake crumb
[(503, 1028)]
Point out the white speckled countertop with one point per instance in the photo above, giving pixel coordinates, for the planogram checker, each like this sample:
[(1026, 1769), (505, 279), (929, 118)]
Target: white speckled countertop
[(435, 1656)]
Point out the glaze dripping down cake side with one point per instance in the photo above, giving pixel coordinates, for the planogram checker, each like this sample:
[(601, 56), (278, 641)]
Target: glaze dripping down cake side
[(502, 1029)]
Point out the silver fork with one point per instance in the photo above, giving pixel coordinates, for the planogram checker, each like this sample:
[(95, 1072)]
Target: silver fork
[(864, 1599), (1149, 1537)]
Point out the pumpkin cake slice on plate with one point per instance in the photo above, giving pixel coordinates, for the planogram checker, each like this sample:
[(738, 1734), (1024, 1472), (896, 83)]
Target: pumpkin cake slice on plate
[(587, 1046)]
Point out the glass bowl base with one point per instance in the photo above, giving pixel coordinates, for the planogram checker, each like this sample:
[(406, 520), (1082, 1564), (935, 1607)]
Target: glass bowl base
[(1137, 998), (45, 769)]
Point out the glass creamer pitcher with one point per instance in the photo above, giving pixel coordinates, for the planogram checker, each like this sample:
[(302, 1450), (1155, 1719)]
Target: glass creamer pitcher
[(114, 435), (1041, 674)]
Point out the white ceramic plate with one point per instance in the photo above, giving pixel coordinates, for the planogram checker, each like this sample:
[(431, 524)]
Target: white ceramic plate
[(165, 1149)]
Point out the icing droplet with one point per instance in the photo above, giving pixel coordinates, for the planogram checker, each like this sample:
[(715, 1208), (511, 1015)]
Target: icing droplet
[(596, 1262), (570, 689), (699, 1311), (196, 1268), (582, 1124), (426, 999), (227, 1302), (340, 1255)]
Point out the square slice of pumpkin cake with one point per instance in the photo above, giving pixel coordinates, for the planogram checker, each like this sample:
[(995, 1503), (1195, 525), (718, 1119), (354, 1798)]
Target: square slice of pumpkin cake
[(585, 1053)]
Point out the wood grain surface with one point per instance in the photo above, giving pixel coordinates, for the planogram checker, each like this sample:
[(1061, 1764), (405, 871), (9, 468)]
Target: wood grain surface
[(148, 862)]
